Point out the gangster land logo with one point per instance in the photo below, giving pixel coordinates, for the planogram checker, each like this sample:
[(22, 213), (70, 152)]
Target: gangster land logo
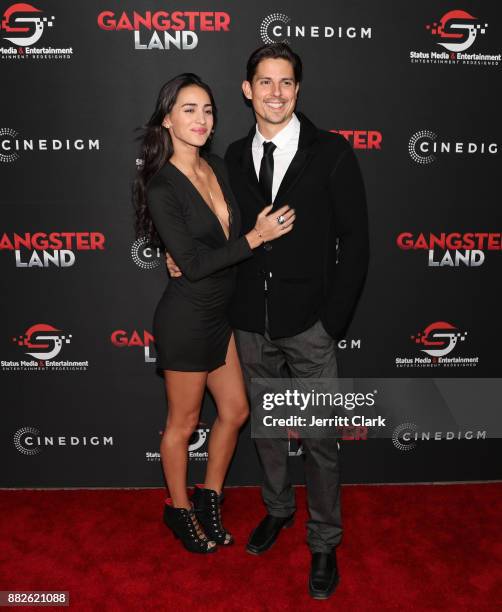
[(161, 30), (451, 249)]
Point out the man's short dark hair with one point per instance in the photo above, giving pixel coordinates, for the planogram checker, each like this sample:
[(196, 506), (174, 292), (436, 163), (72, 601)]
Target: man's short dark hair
[(274, 51)]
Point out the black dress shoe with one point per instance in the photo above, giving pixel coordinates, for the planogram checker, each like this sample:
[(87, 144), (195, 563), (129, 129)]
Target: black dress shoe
[(323, 575), (267, 532)]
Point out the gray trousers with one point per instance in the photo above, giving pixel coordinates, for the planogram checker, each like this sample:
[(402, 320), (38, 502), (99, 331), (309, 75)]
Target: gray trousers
[(308, 354)]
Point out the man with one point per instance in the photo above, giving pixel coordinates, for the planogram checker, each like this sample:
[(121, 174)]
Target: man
[(295, 297)]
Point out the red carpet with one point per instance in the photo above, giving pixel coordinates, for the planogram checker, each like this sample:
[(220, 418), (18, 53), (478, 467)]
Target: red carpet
[(405, 548)]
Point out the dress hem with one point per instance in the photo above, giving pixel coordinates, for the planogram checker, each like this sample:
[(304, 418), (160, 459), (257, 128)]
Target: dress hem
[(191, 369)]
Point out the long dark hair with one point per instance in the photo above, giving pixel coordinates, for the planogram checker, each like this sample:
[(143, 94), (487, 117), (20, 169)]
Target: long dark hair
[(156, 148)]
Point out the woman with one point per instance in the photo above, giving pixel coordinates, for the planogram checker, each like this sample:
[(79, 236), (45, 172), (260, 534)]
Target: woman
[(182, 196)]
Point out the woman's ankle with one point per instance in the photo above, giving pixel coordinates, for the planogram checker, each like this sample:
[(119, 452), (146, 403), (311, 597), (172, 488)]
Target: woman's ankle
[(178, 503)]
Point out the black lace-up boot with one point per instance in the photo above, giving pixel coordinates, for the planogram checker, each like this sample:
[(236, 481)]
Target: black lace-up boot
[(207, 504), (185, 526)]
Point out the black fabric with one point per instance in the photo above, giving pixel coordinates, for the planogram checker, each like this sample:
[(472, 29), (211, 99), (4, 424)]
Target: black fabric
[(190, 325), (266, 175), (307, 277)]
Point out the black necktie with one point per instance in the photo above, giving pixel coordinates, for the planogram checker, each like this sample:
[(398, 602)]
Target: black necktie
[(267, 171)]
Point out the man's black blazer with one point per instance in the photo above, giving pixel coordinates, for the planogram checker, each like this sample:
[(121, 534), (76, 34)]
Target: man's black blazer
[(308, 277)]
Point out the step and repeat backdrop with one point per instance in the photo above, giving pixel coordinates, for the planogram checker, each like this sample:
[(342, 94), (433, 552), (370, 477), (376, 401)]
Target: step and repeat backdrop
[(412, 86)]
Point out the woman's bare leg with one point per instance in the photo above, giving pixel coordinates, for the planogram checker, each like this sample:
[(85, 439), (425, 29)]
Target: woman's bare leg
[(226, 385), (184, 391)]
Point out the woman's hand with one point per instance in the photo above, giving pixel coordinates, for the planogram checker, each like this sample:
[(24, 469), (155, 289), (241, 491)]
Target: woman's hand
[(174, 271), (267, 228), (271, 226)]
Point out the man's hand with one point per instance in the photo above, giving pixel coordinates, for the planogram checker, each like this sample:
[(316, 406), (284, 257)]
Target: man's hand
[(172, 268)]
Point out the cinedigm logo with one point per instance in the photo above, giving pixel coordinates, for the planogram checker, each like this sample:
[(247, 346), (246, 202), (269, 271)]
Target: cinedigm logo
[(406, 436), (30, 441), (145, 254), (278, 27), (424, 147)]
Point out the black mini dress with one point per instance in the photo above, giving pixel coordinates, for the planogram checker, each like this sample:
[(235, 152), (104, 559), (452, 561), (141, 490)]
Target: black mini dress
[(190, 323)]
